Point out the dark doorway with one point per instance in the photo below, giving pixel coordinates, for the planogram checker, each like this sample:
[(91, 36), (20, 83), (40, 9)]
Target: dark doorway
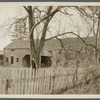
[(12, 59), (45, 61), (1, 57), (26, 61)]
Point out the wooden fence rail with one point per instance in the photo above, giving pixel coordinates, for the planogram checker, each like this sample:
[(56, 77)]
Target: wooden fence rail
[(43, 81)]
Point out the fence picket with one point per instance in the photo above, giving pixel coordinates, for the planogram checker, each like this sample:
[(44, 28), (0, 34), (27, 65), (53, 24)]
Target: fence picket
[(30, 77), (36, 92), (21, 84), (18, 84), (24, 75), (29, 81), (41, 81)]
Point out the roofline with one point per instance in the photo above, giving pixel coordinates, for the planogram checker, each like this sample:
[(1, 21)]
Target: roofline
[(15, 48)]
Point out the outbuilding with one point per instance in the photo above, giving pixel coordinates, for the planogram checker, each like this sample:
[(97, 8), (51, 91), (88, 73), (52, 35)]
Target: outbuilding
[(17, 54)]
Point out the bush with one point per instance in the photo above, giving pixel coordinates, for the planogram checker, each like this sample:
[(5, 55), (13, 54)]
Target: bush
[(90, 84)]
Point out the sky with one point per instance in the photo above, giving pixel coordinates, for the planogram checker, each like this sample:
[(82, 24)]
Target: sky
[(8, 12), (4, 15), (62, 24)]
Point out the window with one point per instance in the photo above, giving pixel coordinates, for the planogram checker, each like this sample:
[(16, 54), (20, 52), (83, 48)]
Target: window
[(12, 59), (17, 59), (7, 59), (12, 49), (50, 51)]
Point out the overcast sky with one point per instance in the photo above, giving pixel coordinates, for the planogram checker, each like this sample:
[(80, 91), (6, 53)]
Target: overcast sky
[(8, 12), (5, 13)]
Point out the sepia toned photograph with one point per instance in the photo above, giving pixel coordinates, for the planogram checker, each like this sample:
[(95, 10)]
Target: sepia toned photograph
[(49, 49)]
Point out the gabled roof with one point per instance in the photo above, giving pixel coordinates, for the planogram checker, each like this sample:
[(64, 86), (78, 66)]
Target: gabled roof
[(74, 43), (17, 44)]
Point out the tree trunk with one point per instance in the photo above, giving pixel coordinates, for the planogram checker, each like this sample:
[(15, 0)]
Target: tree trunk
[(97, 36), (35, 50)]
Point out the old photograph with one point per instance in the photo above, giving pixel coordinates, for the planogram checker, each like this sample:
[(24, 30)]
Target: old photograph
[(49, 49)]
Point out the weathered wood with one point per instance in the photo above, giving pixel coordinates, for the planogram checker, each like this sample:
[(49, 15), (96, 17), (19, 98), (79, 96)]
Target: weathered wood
[(44, 81)]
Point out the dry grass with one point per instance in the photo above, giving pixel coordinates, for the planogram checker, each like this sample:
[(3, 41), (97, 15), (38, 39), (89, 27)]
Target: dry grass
[(92, 86)]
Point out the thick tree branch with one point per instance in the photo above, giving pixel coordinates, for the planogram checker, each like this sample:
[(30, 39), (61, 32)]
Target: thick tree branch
[(42, 40), (40, 10), (56, 10), (26, 9), (62, 45), (83, 12), (75, 35)]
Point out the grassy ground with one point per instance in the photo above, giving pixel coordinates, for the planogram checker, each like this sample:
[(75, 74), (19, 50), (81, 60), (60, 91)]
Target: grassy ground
[(93, 87)]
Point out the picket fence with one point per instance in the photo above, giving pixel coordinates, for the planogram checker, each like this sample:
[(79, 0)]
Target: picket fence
[(39, 81)]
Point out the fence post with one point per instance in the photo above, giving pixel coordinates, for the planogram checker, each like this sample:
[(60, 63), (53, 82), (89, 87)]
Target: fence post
[(53, 88), (7, 86)]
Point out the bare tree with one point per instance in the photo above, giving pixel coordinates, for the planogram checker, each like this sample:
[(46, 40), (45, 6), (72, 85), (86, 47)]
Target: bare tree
[(91, 14), (15, 27), (39, 19), (36, 49)]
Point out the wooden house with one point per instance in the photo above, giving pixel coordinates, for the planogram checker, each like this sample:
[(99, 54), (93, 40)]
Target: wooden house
[(17, 53)]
